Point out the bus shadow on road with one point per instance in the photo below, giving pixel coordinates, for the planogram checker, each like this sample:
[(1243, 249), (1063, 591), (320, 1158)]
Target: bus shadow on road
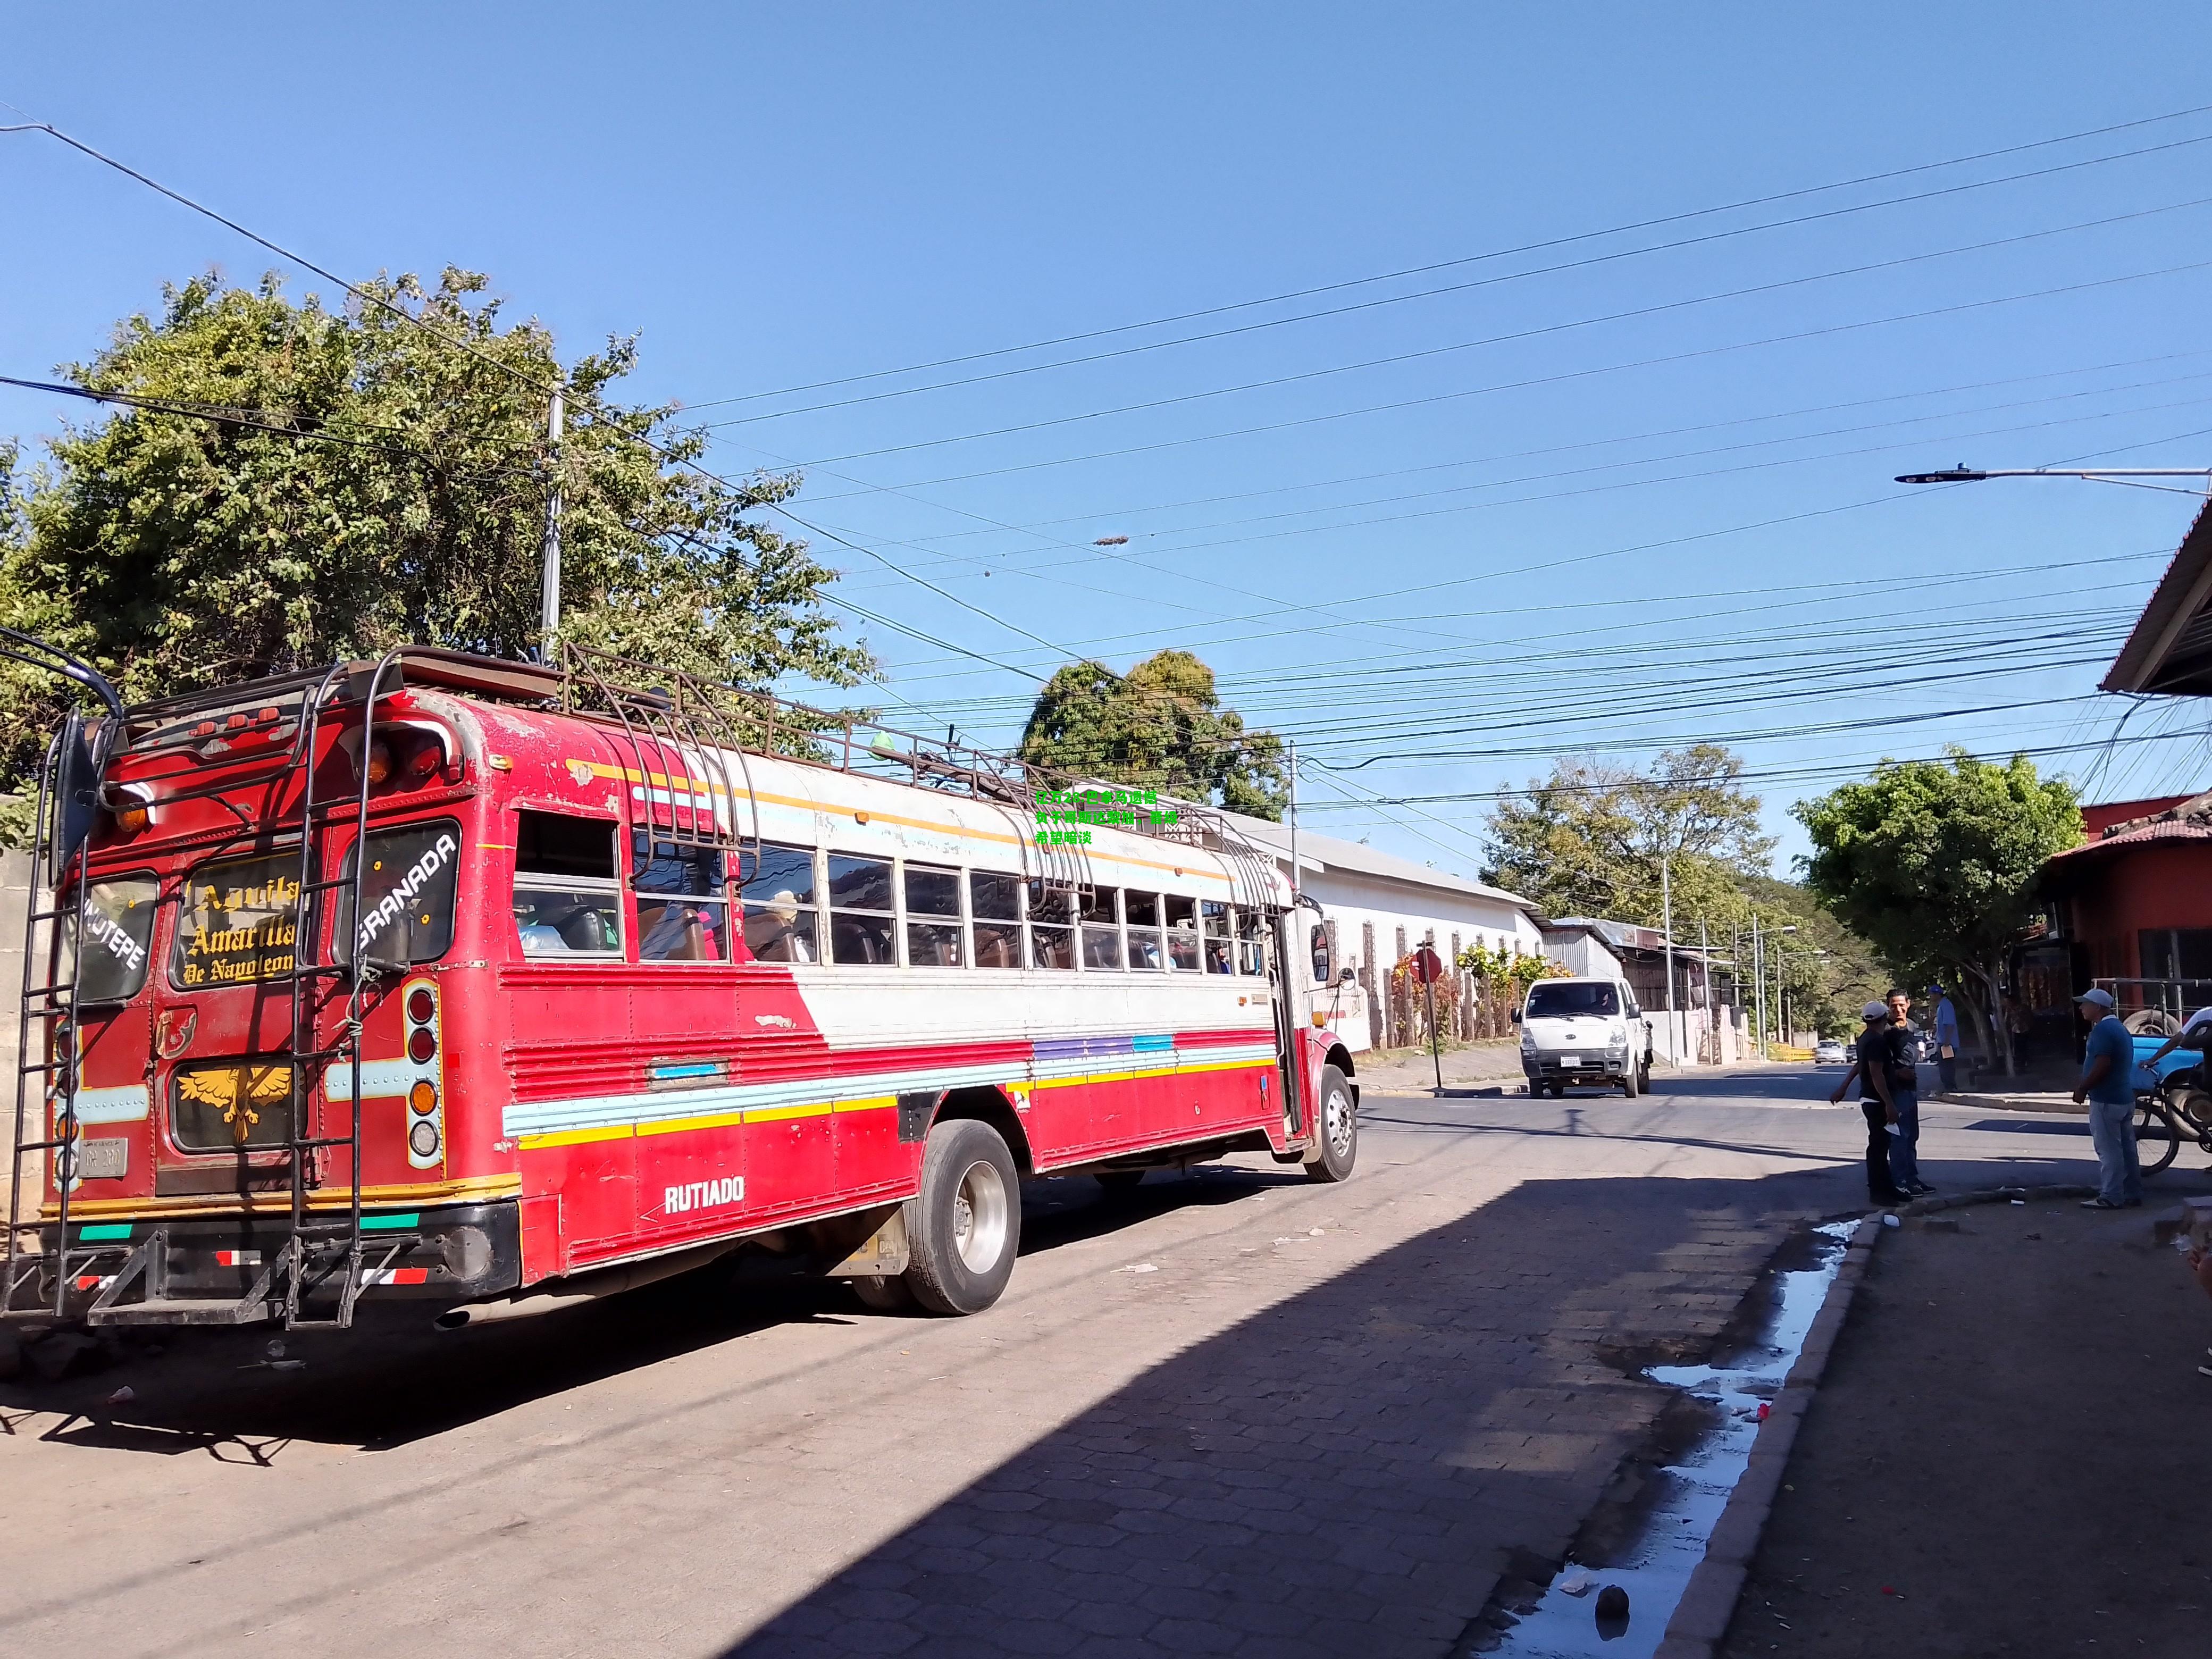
[(1352, 1470), (394, 1380)]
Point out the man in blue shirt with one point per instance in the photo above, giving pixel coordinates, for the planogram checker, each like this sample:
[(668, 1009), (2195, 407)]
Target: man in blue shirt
[(1947, 1041), (2108, 1073)]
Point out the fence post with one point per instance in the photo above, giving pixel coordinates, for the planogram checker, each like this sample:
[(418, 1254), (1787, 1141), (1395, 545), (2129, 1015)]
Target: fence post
[(1367, 983)]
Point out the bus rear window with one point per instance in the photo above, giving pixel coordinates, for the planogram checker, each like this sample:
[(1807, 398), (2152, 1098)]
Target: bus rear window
[(239, 922), (408, 880), (118, 922)]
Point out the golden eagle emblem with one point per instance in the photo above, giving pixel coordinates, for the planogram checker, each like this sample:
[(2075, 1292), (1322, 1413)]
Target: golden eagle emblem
[(240, 1093)]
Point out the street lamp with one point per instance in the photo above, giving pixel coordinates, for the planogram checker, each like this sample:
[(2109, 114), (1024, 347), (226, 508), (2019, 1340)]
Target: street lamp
[(1964, 474)]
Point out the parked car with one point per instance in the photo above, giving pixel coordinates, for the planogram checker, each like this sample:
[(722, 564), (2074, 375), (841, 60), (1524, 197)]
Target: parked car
[(1830, 1051), (1586, 1031)]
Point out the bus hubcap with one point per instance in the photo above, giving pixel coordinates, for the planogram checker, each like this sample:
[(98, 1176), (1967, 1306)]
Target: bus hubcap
[(1336, 1122), (979, 1211)]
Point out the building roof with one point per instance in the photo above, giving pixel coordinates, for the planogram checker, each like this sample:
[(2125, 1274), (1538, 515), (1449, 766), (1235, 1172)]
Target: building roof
[(2187, 819), (2097, 817), (2171, 648), (1328, 853)]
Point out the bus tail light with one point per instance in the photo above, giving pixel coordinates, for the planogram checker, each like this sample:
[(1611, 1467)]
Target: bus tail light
[(422, 1044)]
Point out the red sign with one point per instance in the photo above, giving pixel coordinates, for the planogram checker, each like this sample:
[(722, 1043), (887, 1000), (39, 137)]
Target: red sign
[(1426, 966)]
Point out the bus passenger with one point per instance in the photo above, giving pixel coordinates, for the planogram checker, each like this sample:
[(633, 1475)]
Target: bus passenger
[(771, 933)]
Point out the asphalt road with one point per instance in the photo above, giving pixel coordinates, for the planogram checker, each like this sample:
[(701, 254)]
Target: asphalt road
[(1231, 1412)]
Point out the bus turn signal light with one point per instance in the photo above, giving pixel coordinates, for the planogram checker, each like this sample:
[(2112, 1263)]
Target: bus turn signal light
[(422, 1098), (380, 762), (132, 820)]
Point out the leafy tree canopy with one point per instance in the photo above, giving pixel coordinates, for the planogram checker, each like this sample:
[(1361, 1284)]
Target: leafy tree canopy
[(1934, 861), (175, 552), (1590, 840), (1159, 726)]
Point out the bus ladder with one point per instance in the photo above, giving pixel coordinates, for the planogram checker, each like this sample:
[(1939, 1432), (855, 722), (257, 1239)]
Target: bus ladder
[(46, 1027)]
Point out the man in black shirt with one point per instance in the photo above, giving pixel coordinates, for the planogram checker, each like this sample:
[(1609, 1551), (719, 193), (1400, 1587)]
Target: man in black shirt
[(1876, 1047)]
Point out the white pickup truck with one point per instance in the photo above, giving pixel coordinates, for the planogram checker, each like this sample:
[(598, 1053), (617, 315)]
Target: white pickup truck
[(1586, 1031)]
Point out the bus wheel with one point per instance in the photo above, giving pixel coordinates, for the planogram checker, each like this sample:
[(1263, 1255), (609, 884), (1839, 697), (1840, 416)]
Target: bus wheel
[(965, 1226), (1336, 1142)]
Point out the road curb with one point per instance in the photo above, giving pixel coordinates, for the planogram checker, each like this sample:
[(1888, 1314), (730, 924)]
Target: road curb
[(1701, 1617), (1707, 1604)]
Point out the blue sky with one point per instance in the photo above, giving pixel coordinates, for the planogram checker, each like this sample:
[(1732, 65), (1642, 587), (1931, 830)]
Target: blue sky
[(1580, 510)]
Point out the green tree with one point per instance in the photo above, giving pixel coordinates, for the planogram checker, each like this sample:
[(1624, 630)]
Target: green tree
[(1590, 840), (1934, 861), (176, 551), (1161, 727)]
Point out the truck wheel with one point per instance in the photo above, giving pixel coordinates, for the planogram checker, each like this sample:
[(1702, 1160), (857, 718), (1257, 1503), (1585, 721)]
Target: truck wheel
[(1336, 1129), (965, 1226), (1631, 1082)]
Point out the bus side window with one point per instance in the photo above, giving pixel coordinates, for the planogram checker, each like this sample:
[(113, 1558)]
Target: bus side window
[(567, 896), (995, 902), (1146, 950), (862, 912), (1252, 942), (933, 918), (1052, 941), (683, 901), (777, 885), (1182, 933), (1101, 910), (1220, 942)]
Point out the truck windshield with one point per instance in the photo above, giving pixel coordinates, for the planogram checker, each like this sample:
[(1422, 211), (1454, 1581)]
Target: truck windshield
[(118, 923), (1564, 1001)]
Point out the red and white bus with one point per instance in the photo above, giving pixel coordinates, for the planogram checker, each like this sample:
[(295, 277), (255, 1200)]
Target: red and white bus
[(490, 985)]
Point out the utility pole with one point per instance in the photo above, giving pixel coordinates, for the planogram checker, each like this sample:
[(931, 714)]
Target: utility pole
[(549, 623), (1706, 967), (1667, 922), (1759, 980), (1294, 826)]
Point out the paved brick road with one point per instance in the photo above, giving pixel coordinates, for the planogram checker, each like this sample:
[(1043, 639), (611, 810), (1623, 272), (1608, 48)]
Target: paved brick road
[(1239, 1413)]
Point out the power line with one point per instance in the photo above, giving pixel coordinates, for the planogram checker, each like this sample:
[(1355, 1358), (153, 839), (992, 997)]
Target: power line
[(1517, 335), (1454, 287), (1447, 265)]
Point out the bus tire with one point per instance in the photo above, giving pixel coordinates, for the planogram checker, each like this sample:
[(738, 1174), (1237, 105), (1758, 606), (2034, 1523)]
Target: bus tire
[(1336, 1129), (965, 1226)]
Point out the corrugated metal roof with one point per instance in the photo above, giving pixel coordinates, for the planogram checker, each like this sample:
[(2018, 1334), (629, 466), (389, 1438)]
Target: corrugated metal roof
[(1331, 853)]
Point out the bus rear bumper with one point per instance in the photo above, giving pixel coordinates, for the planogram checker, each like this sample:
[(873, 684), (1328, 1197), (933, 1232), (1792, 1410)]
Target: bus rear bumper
[(228, 1270)]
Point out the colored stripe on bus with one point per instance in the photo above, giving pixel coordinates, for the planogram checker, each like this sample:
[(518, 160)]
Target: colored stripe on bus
[(385, 1223), (97, 1235)]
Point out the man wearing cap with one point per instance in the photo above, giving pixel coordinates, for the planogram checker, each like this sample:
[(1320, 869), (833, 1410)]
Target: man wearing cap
[(2108, 1073), (1876, 1101)]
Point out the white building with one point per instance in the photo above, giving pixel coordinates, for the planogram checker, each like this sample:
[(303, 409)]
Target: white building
[(1378, 908)]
